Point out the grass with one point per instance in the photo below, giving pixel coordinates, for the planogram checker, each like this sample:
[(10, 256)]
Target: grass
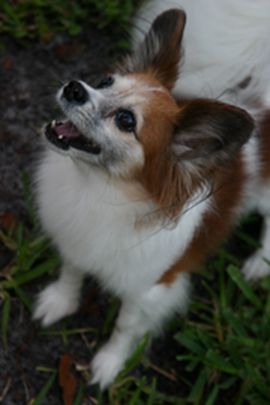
[(227, 338), (221, 351), (42, 19)]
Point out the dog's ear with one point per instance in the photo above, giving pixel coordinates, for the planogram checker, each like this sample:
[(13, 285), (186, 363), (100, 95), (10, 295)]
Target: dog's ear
[(160, 51), (210, 133)]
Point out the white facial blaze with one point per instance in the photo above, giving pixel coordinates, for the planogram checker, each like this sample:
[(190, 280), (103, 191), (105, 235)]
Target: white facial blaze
[(121, 152)]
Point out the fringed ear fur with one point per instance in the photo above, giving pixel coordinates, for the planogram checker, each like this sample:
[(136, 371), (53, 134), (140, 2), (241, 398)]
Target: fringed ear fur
[(210, 133), (160, 51)]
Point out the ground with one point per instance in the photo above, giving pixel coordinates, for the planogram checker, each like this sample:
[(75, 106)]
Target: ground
[(219, 355)]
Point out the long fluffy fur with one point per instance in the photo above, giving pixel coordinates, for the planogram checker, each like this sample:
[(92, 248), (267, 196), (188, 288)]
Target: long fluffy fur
[(95, 217), (225, 42)]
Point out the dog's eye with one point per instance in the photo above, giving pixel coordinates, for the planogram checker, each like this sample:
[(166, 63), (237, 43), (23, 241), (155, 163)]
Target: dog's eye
[(125, 120), (105, 82)]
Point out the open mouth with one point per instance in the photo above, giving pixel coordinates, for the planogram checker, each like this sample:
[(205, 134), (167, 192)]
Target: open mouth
[(64, 135)]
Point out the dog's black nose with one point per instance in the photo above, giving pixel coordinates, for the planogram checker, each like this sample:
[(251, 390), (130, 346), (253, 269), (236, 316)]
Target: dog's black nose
[(75, 92)]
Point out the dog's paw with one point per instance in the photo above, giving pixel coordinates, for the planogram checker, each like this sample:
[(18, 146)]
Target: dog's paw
[(52, 305), (106, 365), (256, 267)]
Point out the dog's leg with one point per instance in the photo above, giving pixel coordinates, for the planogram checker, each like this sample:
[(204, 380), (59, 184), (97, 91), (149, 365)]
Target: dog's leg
[(258, 265), (136, 318), (60, 298)]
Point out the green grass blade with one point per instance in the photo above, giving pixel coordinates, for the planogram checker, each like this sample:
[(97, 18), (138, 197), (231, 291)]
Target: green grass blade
[(37, 272), (79, 397), (239, 280), (249, 240), (23, 297), (136, 357), (152, 394), (135, 399), (190, 343), (216, 361), (235, 324), (110, 318), (44, 391), (213, 396), (198, 388)]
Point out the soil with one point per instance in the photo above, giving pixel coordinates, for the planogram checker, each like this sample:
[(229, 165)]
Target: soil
[(29, 77)]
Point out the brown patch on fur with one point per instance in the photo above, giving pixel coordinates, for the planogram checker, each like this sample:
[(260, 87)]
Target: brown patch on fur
[(264, 147), (161, 176), (209, 133), (216, 224)]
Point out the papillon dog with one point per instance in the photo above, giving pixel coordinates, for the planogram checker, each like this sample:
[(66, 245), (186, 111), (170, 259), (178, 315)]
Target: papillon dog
[(147, 173)]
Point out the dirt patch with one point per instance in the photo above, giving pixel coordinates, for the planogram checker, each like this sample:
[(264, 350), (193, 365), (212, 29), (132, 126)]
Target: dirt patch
[(29, 78)]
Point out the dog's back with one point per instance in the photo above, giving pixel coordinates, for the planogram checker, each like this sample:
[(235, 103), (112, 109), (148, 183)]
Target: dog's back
[(226, 44)]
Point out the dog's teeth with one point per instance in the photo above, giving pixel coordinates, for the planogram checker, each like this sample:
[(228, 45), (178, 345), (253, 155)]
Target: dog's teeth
[(60, 137), (53, 123)]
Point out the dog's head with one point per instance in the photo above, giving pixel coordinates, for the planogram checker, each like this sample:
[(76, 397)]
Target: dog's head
[(130, 125)]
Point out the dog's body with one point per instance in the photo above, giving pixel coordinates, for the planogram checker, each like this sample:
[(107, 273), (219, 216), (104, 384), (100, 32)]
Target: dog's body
[(147, 186), (225, 42)]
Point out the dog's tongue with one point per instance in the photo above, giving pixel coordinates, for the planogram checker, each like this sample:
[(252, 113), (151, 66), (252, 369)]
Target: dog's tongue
[(66, 130)]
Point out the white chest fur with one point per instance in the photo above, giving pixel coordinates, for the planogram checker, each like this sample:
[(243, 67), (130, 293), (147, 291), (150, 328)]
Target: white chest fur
[(93, 225)]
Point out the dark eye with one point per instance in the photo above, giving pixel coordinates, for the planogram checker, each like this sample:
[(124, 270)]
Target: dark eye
[(105, 82), (125, 120)]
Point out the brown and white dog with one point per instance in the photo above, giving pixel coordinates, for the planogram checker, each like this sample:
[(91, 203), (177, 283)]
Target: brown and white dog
[(141, 184)]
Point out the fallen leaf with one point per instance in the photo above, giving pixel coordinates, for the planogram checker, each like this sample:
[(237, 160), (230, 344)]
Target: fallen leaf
[(68, 51), (8, 63), (47, 37), (67, 380), (8, 221), (6, 137)]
